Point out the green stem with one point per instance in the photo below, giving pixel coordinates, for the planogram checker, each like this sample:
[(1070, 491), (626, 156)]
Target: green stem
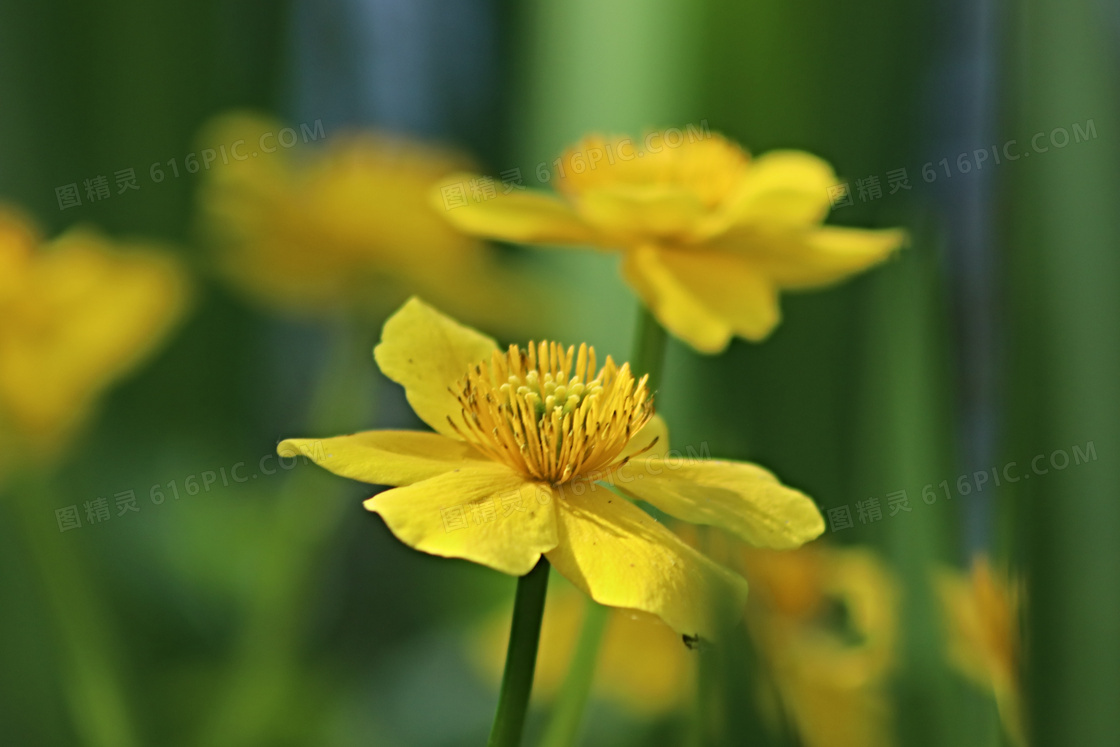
[(521, 657), (93, 689), (567, 713), (648, 356)]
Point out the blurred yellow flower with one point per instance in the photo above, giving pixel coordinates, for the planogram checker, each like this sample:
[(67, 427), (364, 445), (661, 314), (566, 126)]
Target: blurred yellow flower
[(824, 623), (521, 439), (76, 313), (709, 236), (345, 226), (982, 621), (642, 667)]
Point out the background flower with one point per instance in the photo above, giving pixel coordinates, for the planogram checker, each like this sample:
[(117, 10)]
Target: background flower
[(345, 226), (76, 314), (709, 236), (825, 622), (982, 611)]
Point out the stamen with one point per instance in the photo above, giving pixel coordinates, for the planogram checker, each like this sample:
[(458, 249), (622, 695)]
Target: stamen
[(526, 408)]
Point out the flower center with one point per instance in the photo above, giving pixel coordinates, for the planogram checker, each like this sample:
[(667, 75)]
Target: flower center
[(547, 413)]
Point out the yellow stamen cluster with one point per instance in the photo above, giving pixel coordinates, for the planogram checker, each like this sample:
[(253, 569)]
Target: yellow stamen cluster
[(529, 409)]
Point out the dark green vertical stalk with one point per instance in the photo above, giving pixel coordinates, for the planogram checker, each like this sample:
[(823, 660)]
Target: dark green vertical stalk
[(1065, 287), (904, 436), (649, 348), (521, 657)]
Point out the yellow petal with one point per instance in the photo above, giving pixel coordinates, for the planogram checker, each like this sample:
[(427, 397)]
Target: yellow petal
[(315, 234), (522, 216), (621, 557), (829, 254), (706, 164), (704, 297), (981, 612), (486, 514), (385, 457), (731, 286), (18, 239), (830, 675), (644, 664), (676, 309), (626, 211), (427, 352), (652, 440), (83, 315), (785, 187), (742, 498)]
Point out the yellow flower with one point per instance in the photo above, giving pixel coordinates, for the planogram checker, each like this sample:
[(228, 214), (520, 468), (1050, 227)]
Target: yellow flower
[(824, 622), (76, 314), (521, 437), (642, 667), (341, 226), (709, 237), (982, 621)]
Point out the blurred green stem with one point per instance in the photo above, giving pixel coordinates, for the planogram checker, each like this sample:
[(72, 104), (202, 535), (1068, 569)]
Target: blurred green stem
[(647, 357), (92, 687), (521, 657), (567, 713), (307, 513)]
